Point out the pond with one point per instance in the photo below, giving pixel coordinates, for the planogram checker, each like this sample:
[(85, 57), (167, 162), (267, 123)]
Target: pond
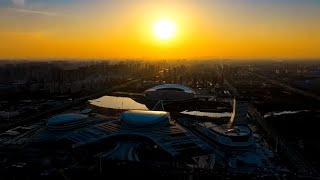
[(114, 102), (126, 103)]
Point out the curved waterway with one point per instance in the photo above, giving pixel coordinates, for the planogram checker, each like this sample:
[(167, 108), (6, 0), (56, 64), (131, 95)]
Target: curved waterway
[(207, 114), (283, 112)]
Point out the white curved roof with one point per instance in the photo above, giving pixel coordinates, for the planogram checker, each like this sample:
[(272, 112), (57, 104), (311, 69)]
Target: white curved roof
[(64, 119), (140, 118), (172, 86)]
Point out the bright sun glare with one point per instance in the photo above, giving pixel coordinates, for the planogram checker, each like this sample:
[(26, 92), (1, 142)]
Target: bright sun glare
[(164, 29)]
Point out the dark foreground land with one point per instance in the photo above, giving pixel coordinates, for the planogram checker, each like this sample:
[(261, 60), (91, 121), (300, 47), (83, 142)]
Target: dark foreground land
[(270, 90)]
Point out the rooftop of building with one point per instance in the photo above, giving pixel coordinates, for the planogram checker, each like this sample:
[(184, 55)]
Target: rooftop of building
[(176, 87), (225, 130), (145, 119)]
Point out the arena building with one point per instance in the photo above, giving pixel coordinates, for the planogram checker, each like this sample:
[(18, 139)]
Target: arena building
[(81, 131), (170, 92)]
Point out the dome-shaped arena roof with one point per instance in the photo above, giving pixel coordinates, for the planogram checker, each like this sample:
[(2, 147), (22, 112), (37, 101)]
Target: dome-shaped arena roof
[(64, 121), (145, 119), (170, 92), (177, 87)]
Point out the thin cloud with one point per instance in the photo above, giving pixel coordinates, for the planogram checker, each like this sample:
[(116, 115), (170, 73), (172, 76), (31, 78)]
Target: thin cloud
[(22, 6), (31, 11), (18, 2)]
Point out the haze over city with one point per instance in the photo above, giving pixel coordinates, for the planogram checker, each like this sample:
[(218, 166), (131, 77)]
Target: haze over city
[(220, 29)]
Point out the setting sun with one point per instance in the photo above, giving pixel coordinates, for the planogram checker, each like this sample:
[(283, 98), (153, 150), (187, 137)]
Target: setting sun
[(164, 29)]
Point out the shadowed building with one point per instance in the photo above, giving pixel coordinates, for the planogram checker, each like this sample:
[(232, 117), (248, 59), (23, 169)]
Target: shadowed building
[(135, 127), (170, 92)]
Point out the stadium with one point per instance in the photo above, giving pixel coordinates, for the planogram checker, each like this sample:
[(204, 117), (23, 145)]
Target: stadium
[(170, 92), (137, 126)]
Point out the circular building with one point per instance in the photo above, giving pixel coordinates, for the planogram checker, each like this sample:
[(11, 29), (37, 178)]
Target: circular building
[(145, 119), (67, 121), (170, 92), (59, 126)]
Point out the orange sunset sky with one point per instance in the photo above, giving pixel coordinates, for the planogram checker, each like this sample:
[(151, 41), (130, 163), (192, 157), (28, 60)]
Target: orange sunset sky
[(239, 29)]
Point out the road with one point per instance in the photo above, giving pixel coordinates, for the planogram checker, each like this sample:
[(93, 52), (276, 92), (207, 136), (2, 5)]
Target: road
[(229, 85), (300, 164), (286, 86)]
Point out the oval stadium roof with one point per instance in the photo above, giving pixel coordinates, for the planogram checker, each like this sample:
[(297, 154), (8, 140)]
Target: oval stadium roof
[(184, 88), (145, 119), (64, 119)]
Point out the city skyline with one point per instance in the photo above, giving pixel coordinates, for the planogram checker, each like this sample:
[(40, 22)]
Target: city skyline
[(219, 29)]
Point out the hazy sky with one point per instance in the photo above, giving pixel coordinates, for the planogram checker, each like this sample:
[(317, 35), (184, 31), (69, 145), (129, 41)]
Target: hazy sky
[(286, 29)]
